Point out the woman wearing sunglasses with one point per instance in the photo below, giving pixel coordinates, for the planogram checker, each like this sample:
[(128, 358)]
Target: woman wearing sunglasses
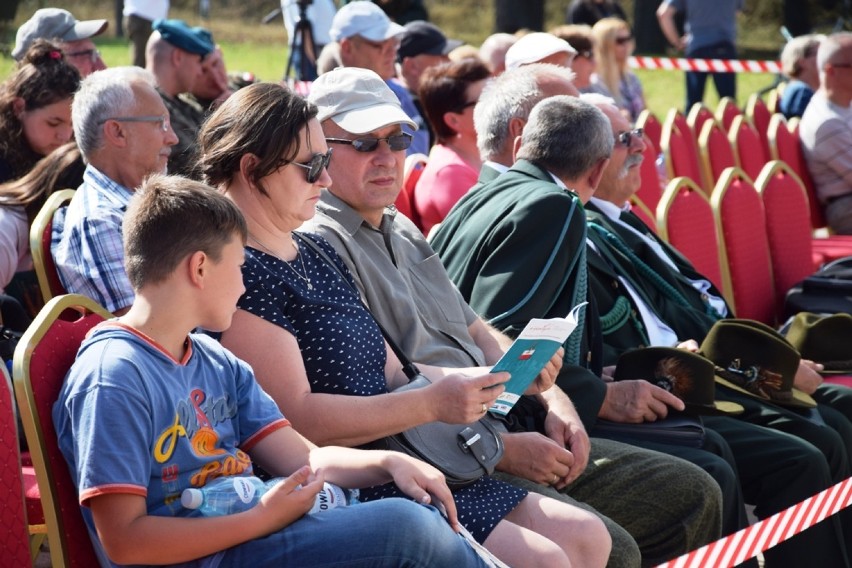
[(317, 350), (614, 44), (448, 93)]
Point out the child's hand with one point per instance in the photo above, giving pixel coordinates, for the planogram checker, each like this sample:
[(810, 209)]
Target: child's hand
[(286, 502), (422, 482)]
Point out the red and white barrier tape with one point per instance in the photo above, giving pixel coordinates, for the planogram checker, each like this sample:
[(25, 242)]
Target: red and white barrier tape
[(719, 65), (747, 543)]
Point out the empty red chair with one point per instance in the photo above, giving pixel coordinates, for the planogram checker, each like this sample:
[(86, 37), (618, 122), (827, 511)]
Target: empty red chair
[(698, 115), (743, 247), (680, 149), (784, 145), (758, 113), (651, 189), (748, 147), (14, 539), (726, 111), (648, 121), (716, 153), (685, 220)]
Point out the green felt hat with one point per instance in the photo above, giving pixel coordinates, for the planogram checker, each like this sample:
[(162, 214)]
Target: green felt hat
[(756, 361), (686, 375), (824, 339)]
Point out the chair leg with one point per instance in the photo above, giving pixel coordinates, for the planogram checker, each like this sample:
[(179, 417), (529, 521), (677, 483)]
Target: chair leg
[(37, 538)]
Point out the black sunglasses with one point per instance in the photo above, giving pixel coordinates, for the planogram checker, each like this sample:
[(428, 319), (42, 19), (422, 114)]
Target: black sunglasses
[(315, 165), (625, 138), (623, 40), (396, 142)]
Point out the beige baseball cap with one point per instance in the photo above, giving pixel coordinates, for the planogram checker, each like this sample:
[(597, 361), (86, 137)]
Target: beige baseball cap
[(357, 100), (535, 47)]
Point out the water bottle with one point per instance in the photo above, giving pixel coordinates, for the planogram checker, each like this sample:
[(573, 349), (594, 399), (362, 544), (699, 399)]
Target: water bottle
[(229, 495), (226, 495), (331, 496)]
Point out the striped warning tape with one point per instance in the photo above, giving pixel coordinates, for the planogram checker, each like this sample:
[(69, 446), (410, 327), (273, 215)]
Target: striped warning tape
[(747, 543), (719, 65)]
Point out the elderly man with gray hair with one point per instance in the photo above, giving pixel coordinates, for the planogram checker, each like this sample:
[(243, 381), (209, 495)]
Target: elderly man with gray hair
[(124, 134), (798, 62)]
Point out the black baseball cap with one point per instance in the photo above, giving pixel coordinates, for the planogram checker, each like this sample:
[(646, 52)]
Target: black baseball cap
[(423, 38)]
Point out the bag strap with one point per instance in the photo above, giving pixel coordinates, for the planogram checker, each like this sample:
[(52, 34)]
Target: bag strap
[(408, 367)]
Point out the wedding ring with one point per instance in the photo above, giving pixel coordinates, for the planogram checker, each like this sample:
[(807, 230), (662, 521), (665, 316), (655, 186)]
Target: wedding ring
[(484, 408)]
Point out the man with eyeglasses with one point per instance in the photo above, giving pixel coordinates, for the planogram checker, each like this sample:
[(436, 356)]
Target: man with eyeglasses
[(410, 294), (122, 128), (369, 39), (74, 37), (174, 55), (826, 132)]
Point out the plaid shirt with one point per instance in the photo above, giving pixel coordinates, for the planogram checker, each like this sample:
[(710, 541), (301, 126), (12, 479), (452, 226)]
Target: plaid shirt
[(86, 242)]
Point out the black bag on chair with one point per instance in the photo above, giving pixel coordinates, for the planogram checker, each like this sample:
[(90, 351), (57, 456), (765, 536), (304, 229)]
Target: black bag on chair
[(827, 291)]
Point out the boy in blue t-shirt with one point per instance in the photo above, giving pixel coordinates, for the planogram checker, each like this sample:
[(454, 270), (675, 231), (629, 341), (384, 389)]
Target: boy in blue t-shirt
[(149, 409)]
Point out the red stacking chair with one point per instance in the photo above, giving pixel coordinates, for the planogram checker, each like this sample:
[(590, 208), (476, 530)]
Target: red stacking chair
[(726, 111), (743, 247), (412, 170), (748, 146), (42, 358), (788, 228), (758, 113), (644, 212), (14, 541), (698, 115), (40, 232), (648, 121), (716, 153), (650, 190), (685, 219), (680, 148)]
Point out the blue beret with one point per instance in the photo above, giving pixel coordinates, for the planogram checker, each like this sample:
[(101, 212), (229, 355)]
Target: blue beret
[(194, 40)]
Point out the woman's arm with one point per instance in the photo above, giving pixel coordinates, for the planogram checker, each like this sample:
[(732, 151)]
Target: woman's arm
[(331, 419)]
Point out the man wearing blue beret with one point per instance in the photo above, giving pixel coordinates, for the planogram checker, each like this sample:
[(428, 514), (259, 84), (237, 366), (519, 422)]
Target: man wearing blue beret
[(174, 55)]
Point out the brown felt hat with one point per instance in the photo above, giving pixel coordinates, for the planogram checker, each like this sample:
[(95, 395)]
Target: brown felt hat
[(684, 374), (824, 339), (756, 360)]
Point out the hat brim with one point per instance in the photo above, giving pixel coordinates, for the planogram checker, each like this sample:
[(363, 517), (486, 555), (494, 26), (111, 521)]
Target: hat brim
[(392, 30), (367, 119), (799, 399), (451, 45), (85, 30), (718, 408)]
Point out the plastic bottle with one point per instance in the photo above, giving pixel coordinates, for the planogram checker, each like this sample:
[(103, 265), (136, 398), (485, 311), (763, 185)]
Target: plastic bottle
[(229, 495)]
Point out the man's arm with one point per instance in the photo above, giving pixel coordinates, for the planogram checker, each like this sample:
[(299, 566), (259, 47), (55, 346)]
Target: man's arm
[(665, 15)]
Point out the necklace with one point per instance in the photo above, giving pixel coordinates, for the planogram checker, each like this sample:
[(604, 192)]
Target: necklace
[(306, 279)]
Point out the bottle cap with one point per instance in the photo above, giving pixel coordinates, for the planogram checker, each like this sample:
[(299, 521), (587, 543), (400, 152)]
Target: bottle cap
[(191, 498)]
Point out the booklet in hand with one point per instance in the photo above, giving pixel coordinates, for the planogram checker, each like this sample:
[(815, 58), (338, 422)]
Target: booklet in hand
[(529, 354)]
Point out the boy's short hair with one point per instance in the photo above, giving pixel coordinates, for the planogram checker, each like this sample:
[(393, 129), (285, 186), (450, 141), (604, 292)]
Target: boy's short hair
[(171, 217)]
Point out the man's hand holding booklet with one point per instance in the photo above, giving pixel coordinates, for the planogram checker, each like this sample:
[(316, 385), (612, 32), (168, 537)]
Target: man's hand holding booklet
[(529, 354)]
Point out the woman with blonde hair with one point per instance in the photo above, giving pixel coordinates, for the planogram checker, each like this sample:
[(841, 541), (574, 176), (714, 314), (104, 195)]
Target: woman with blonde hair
[(614, 44)]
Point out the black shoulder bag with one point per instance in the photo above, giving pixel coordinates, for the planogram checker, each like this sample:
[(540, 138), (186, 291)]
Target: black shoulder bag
[(463, 452)]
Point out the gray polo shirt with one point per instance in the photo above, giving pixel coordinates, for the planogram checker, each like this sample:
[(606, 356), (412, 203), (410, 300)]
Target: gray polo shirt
[(403, 282)]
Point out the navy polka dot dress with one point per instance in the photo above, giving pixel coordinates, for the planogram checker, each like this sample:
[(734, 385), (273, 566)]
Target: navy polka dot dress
[(344, 353)]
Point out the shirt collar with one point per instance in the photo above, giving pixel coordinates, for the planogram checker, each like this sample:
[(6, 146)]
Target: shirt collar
[(349, 219), (496, 166), (608, 208)]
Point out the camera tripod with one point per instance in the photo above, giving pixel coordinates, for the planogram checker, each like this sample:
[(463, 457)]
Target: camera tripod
[(302, 43)]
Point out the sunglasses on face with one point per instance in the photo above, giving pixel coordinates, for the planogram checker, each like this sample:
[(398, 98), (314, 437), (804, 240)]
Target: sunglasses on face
[(396, 142), (625, 138), (315, 165), (623, 40), (91, 54)]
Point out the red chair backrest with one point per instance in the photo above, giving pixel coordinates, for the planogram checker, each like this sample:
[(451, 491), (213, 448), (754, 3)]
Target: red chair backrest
[(644, 212), (716, 153), (726, 112), (744, 248), (784, 145), (680, 148), (685, 220), (788, 227), (698, 115), (14, 538), (650, 190), (748, 147), (40, 237), (414, 165), (758, 113), (41, 361), (653, 128)]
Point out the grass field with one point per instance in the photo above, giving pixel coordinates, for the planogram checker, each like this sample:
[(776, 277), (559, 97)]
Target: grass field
[(250, 46)]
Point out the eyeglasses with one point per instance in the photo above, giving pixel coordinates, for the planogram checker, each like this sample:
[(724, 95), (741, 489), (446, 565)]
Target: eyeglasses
[(587, 54), (623, 40), (92, 54), (625, 138), (315, 165), (396, 142), (162, 119)]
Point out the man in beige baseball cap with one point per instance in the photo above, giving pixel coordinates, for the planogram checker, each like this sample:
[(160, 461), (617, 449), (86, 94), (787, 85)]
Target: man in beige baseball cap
[(74, 36)]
